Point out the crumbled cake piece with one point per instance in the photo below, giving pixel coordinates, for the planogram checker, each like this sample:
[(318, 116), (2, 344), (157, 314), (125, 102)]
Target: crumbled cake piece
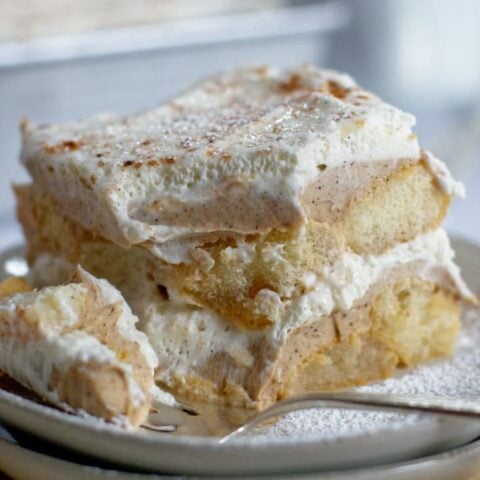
[(76, 345)]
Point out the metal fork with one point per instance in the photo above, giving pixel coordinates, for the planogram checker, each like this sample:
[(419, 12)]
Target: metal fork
[(215, 421)]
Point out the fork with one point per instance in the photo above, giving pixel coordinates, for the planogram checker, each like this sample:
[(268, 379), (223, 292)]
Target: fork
[(212, 420)]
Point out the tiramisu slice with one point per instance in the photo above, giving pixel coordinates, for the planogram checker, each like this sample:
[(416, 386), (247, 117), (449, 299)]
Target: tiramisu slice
[(275, 231), (77, 346)]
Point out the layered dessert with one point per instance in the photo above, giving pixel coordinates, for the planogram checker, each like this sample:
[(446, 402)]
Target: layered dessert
[(77, 347), (276, 232)]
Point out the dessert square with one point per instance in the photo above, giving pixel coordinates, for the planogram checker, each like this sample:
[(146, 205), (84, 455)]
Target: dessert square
[(275, 231)]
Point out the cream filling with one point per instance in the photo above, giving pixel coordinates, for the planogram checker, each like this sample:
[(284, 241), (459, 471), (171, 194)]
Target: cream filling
[(185, 337)]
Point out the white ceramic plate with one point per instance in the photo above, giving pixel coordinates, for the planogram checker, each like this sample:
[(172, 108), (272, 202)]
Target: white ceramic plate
[(302, 442)]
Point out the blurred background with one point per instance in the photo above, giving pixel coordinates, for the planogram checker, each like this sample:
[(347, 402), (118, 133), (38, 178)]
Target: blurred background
[(64, 59)]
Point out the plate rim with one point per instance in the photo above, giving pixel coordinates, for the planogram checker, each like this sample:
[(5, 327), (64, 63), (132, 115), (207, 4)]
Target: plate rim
[(471, 449)]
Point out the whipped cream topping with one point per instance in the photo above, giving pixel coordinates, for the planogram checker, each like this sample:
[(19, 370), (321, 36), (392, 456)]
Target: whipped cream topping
[(233, 154)]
